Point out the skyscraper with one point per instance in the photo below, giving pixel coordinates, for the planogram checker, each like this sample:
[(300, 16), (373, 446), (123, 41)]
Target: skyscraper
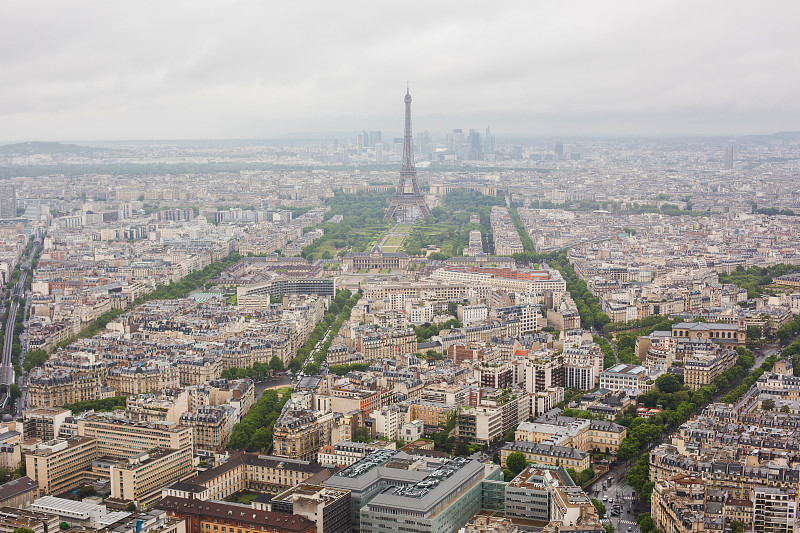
[(8, 201), (728, 165), (488, 143)]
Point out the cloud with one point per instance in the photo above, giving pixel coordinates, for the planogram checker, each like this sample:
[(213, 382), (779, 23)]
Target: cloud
[(194, 69)]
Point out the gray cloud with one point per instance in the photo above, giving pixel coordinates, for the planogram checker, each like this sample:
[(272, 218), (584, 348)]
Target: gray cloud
[(193, 69)]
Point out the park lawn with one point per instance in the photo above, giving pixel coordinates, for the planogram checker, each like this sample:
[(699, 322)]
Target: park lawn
[(403, 228), (443, 235), (394, 241)]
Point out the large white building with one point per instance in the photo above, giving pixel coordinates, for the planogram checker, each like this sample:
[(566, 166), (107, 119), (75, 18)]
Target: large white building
[(622, 376)]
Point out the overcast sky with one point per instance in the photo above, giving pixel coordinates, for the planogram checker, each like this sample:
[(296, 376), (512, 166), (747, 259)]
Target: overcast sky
[(240, 69)]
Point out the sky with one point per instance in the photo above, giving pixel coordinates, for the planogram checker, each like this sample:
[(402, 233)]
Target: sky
[(118, 70)]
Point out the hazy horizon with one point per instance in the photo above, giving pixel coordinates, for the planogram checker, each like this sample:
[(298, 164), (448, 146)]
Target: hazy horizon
[(100, 71)]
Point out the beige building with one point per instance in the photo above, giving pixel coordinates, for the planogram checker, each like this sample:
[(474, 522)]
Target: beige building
[(165, 407), (389, 343), (18, 493), (58, 465), (43, 422), (141, 477), (261, 473), (301, 434), (198, 370), (729, 335), (583, 435), (139, 380), (61, 387), (211, 426), (119, 437), (547, 454), (701, 368)]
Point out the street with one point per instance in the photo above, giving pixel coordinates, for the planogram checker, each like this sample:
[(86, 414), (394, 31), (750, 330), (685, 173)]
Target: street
[(622, 494), (282, 380)]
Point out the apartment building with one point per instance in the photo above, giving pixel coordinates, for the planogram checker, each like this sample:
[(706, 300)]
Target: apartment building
[(211, 426), (547, 454), (58, 465), (299, 433), (701, 368), (121, 438), (622, 376), (61, 387), (384, 343), (43, 423), (481, 425), (143, 379), (775, 510)]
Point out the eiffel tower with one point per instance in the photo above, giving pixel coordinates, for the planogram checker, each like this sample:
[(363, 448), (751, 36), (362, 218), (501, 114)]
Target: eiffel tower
[(407, 197)]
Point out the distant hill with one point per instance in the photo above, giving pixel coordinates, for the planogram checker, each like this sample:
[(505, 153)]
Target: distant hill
[(31, 148)]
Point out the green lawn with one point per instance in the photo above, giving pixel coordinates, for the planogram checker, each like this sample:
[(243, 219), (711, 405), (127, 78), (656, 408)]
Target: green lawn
[(403, 228), (244, 496), (394, 241)]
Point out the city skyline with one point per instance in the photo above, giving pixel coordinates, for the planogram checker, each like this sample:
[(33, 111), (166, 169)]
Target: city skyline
[(573, 69)]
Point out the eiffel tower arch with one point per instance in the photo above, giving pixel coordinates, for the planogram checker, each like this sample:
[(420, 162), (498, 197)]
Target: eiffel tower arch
[(407, 202)]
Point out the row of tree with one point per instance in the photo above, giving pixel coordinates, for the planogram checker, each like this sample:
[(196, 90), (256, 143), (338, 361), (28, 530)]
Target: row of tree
[(789, 330), (679, 404), (101, 404), (258, 369), (332, 321), (341, 370), (196, 280), (254, 432), (793, 351), (588, 305)]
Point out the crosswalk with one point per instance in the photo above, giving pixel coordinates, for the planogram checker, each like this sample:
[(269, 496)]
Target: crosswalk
[(620, 523)]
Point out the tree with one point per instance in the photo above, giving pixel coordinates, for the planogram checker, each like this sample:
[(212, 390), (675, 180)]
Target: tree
[(785, 409), (86, 491), (601, 509), (574, 475), (461, 448), (510, 435), (609, 528), (753, 333), (23, 530), (585, 476), (516, 462), (669, 383), (131, 507), (768, 404), (14, 392), (362, 435), (646, 523), (276, 364)]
